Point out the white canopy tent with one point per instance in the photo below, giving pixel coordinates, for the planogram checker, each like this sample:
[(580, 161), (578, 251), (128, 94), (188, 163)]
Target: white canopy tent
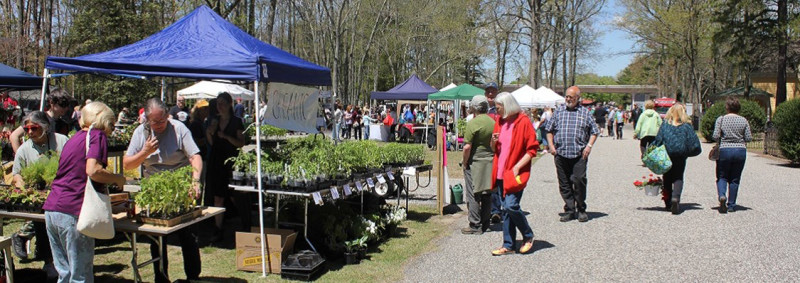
[(451, 85), (210, 90), (527, 97)]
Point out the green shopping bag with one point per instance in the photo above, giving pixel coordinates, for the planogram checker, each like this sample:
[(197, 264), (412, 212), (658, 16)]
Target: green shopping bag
[(657, 160)]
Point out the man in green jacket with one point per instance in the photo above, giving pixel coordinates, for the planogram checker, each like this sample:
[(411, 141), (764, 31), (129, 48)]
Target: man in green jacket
[(647, 126)]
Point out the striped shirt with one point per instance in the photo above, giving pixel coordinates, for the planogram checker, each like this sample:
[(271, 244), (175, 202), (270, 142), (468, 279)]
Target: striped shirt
[(734, 130), (571, 129)]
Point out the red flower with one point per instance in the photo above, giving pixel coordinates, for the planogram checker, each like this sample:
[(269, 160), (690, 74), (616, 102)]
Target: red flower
[(651, 175), (638, 183)]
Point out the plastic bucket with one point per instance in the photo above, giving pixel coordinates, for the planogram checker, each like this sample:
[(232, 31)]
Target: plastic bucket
[(651, 190), (458, 194)]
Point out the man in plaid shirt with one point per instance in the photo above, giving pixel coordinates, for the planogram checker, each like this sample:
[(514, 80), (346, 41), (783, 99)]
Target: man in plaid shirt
[(571, 133)]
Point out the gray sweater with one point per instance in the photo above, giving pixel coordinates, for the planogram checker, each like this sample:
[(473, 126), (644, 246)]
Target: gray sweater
[(734, 131)]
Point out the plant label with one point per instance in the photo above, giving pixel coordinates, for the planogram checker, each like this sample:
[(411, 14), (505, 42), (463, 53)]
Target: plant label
[(317, 198), (359, 186), (390, 175), (410, 171), (381, 179), (347, 191), (370, 183), (334, 193)]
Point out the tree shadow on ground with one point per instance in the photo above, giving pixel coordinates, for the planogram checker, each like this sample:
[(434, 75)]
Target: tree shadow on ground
[(736, 209), (788, 165), (684, 206)]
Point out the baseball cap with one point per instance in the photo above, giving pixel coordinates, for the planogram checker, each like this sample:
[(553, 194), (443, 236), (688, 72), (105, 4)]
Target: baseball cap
[(492, 85)]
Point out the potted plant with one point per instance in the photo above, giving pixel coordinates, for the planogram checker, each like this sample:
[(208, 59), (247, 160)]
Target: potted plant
[(167, 198), (393, 215), (352, 248), (240, 163)]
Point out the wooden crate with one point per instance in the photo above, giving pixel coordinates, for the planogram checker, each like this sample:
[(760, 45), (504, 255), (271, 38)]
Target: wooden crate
[(172, 221)]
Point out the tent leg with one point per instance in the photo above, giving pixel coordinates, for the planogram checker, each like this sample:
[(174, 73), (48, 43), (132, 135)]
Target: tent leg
[(163, 89), (258, 180), (45, 78)]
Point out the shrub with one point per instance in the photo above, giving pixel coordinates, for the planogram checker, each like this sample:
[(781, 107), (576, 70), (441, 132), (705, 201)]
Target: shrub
[(786, 116), (750, 110)]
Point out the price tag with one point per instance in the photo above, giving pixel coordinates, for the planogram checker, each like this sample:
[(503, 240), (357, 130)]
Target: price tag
[(370, 183), (410, 171), (381, 179), (334, 193), (317, 198), (347, 191), (390, 175), (359, 186)]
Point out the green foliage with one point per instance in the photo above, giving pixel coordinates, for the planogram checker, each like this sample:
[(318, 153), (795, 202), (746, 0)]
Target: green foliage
[(244, 160), (397, 153), (42, 171), (266, 131), (461, 125), (167, 193), (122, 136), (753, 112), (354, 245), (28, 196), (786, 118)]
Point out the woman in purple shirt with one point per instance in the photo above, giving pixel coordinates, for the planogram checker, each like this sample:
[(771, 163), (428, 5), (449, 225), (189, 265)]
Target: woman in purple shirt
[(73, 252)]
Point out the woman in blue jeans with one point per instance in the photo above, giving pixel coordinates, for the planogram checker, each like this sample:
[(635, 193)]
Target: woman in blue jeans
[(733, 132)]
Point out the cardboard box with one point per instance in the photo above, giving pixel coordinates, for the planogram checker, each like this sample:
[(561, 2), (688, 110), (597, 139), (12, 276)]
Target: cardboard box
[(280, 243)]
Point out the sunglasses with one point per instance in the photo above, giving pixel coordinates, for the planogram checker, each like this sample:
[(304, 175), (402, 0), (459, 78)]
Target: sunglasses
[(32, 127)]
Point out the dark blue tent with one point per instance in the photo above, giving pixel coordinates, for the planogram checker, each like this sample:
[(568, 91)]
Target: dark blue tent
[(411, 89), (13, 79), (201, 45)]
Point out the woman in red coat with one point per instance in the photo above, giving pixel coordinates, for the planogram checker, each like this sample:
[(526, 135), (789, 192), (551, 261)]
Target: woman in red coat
[(514, 143)]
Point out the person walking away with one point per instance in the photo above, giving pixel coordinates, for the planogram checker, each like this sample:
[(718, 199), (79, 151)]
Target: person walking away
[(337, 123), (612, 114), (41, 142), (166, 144), (348, 121), (619, 121), (681, 142), (635, 114), (357, 123), (73, 252), (646, 127), (733, 132), (477, 165), (571, 134), (600, 118), (514, 144)]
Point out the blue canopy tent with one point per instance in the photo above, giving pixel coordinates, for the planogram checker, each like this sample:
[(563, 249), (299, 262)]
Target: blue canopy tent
[(411, 89), (14, 79), (204, 46)]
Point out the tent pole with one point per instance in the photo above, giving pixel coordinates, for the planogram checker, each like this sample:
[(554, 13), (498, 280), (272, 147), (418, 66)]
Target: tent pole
[(258, 180), (45, 77), (163, 89)]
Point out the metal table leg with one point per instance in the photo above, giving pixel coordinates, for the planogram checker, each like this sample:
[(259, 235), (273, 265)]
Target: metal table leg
[(277, 208), (305, 225)]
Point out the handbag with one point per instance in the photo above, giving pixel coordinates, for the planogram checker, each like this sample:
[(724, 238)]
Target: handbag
[(713, 155), (657, 160), (95, 218)]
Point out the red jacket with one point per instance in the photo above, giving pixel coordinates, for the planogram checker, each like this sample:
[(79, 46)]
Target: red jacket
[(523, 140)]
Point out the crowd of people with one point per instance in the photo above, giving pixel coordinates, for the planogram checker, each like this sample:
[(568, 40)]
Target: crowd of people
[(500, 143)]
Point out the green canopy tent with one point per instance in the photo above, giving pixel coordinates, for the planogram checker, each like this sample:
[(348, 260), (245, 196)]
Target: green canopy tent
[(461, 92)]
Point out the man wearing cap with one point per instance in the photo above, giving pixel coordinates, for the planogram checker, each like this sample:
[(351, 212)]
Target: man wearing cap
[(571, 133), (490, 91), (477, 166)]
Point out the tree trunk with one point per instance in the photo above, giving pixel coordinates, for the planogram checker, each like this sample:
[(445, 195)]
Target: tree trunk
[(780, 94), (271, 21)]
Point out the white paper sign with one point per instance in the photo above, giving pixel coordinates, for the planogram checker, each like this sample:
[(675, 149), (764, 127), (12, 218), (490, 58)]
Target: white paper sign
[(359, 186), (370, 183), (410, 171), (317, 198), (381, 179), (334, 193), (292, 107), (347, 191), (390, 175)]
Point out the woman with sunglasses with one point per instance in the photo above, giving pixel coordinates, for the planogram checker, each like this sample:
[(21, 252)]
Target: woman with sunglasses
[(59, 101), (41, 141)]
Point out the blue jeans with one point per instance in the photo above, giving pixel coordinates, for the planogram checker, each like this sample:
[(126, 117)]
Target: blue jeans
[(497, 200), (73, 252), (513, 218), (729, 172), (366, 132), (337, 128)]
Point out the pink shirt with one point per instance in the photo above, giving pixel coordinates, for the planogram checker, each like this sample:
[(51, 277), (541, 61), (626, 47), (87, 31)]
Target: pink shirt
[(504, 146)]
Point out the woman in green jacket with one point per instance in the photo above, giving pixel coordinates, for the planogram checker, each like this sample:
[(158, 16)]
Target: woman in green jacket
[(647, 126)]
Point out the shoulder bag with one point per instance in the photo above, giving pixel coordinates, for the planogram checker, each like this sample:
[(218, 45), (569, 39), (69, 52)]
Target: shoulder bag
[(95, 219), (713, 155)]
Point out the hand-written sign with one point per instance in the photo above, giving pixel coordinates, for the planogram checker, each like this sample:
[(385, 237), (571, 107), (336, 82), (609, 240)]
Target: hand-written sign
[(292, 107)]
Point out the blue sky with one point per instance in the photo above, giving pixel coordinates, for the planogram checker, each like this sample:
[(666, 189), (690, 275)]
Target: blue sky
[(615, 44)]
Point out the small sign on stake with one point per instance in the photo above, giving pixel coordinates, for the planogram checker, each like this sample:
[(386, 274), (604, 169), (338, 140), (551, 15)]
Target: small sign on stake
[(390, 175), (381, 179), (347, 191), (359, 186), (334, 193), (370, 183), (317, 198)]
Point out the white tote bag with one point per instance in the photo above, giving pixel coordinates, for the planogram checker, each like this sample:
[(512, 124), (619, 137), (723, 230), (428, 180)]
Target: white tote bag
[(95, 219)]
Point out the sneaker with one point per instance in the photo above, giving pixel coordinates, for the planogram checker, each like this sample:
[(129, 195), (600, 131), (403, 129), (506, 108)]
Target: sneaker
[(18, 245), (471, 231), (496, 218), (567, 217), (502, 251), (526, 247), (723, 204), (675, 208), (583, 217)]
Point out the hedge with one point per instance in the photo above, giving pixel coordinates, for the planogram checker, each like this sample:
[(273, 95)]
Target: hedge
[(786, 119), (753, 112)]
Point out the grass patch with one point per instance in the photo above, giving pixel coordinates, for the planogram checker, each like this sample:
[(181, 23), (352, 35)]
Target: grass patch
[(384, 263)]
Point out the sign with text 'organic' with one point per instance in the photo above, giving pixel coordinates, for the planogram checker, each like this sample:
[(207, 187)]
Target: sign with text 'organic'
[(292, 107)]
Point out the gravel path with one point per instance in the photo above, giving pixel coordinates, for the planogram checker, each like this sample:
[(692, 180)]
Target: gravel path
[(630, 237)]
